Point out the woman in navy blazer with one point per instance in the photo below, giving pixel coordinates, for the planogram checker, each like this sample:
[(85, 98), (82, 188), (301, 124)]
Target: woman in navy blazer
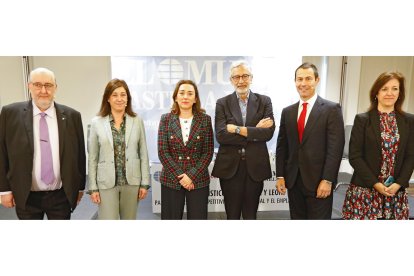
[(185, 149), (381, 151), (118, 157)]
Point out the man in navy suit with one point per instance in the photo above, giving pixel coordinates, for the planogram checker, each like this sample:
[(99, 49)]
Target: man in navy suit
[(243, 125), (33, 183), (309, 149)]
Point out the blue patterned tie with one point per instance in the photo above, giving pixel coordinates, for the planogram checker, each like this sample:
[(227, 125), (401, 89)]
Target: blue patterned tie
[(47, 173)]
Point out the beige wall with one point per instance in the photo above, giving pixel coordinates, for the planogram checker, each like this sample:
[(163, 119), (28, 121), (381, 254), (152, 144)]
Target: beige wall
[(361, 72), (372, 67), (11, 80), (81, 81)]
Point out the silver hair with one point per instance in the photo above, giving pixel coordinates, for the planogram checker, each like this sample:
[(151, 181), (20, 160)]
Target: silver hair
[(41, 70), (242, 63)]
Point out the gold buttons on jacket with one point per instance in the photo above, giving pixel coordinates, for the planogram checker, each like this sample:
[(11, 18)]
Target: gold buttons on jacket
[(188, 157), (179, 157)]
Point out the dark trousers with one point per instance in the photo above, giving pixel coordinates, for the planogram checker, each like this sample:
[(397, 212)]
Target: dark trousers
[(52, 203), (241, 194), (303, 203), (172, 203)]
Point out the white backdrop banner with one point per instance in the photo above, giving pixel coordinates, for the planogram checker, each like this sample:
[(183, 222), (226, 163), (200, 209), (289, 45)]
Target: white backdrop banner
[(270, 200), (152, 80)]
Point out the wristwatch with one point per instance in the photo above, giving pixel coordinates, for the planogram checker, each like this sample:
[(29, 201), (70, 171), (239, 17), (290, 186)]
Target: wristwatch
[(237, 131)]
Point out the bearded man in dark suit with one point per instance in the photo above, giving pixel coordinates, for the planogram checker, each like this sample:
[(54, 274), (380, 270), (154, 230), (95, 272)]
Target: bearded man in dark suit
[(243, 125), (42, 153)]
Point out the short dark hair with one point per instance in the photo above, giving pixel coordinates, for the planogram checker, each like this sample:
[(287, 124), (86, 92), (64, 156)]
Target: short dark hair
[(175, 109), (307, 65), (109, 89), (380, 82)]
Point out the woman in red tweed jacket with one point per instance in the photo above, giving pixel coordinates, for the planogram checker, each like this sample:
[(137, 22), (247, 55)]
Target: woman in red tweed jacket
[(185, 149)]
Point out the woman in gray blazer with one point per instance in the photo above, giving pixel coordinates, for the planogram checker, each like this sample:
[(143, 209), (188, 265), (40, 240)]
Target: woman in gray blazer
[(118, 157)]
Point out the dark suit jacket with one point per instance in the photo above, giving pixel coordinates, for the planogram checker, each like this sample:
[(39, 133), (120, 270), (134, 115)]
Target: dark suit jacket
[(192, 158), (17, 149), (365, 149), (257, 155), (319, 155)]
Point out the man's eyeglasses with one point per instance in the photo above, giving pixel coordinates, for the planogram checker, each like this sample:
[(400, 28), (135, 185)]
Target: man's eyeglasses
[(245, 77), (39, 85)]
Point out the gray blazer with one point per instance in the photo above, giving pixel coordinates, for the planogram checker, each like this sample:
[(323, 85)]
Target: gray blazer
[(101, 160)]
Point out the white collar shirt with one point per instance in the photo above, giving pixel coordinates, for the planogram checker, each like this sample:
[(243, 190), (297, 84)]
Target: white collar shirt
[(51, 119), (311, 103)]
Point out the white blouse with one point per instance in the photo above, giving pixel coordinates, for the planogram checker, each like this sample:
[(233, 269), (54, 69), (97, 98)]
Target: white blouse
[(185, 128)]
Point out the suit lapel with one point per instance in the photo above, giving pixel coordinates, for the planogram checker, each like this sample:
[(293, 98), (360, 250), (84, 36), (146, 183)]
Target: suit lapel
[(252, 107), (292, 120), (61, 122), (313, 117), (402, 131), (235, 109), (176, 128), (375, 126), (108, 130), (28, 123), (194, 130), (129, 121)]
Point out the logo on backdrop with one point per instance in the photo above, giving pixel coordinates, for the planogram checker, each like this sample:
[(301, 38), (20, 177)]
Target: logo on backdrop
[(152, 81), (170, 71)]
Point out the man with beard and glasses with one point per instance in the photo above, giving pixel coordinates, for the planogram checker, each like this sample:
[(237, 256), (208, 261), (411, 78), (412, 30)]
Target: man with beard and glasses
[(42, 153), (243, 123)]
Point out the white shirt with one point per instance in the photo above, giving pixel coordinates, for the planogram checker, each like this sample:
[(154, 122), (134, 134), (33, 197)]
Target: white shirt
[(51, 119), (311, 103), (185, 128)]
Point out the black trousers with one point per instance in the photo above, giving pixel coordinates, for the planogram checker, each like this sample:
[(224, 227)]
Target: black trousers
[(52, 203), (172, 203), (303, 203), (241, 194)]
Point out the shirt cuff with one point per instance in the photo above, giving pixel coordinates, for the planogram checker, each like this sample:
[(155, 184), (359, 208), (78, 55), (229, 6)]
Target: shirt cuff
[(92, 191)]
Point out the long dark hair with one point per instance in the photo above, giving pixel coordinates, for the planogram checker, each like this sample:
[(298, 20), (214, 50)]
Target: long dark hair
[(175, 109), (380, 82), (110, 87)]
